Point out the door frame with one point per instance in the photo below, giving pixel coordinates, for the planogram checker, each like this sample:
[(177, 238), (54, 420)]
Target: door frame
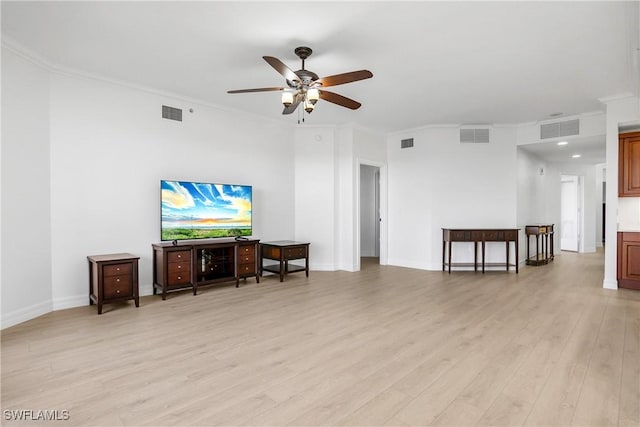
[(382, 167)]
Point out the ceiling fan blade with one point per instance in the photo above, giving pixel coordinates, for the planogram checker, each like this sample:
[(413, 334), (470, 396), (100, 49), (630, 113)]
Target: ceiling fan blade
[(339, 100), (281, 68), (340, 79), (291, 108), (259, 89)]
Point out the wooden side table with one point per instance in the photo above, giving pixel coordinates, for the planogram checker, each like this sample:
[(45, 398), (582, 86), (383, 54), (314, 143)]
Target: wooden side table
[(543, 234), (113, 277), (284, 251)]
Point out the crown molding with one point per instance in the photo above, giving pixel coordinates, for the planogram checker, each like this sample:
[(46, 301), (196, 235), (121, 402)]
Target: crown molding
[(54, 68), (618, 97)]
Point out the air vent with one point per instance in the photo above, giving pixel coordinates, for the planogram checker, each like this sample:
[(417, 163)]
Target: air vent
[(406, 143), (474, 135), (560, 129), (171, 113)]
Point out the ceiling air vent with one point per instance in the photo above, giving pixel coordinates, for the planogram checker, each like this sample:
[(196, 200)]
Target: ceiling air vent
[(171, 113), (560, 129), (406, 143), (474, 135)]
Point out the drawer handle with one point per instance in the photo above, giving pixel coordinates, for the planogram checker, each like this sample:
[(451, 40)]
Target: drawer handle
[(117, 291), (179, 256), (179, 277), (179, 267), (117, 268), (117, 280)]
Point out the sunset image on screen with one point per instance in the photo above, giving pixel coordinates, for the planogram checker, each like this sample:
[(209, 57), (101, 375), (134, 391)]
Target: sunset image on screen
[(192, 210)]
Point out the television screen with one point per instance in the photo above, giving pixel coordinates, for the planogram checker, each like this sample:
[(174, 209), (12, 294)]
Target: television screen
[(196, 210)]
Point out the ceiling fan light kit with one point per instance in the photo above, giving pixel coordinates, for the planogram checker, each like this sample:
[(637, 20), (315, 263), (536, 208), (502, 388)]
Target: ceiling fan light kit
[(305, 87)]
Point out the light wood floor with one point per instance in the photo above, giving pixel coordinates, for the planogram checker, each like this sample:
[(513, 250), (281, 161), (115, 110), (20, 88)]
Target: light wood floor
[(386, 346)]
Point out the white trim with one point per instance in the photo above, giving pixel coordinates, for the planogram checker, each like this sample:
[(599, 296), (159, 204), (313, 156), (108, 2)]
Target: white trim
[(52, 67), (382, 256), (26, 313), (610, 284), (70, 302)]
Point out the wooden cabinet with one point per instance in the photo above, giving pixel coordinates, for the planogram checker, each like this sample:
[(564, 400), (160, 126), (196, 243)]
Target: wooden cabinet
[(629, 260), (113, 277), (629, 165), (191, 265), (248, 260)]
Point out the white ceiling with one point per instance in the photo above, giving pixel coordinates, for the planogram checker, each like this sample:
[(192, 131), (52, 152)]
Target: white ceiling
[(591, 150), (433, 62)]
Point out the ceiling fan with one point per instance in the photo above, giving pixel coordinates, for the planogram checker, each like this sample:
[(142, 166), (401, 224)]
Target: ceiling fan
[(305, 87)]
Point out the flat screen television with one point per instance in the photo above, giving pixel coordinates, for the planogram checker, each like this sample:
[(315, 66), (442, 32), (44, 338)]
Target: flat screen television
[(198, 210)]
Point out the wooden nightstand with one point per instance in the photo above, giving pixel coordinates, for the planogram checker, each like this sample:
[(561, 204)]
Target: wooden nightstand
[(113, 277)]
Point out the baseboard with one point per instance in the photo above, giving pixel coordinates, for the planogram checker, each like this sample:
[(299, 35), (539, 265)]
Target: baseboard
[(322, 267), (27, 313), (411, 264), (70, 302), (610, 284)]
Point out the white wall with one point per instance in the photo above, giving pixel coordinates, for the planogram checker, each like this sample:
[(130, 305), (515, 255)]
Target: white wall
[(314, 178), (441, 183), (326, 198), (82, 164), (110, 149), (26, 193), (533, 202)]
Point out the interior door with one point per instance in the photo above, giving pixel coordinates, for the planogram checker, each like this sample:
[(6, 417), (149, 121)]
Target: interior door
[(570, 213)]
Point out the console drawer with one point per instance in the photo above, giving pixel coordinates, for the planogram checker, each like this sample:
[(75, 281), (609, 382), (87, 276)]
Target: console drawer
[(179, 267), (116, 269), (118, 286), (247, 269), (246, 258), (295, 253), (179, 278), (247, 250), (177, 256)]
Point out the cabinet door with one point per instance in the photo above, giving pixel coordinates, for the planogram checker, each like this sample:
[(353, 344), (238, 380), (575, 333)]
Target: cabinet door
[(630, 261), (629, 165)]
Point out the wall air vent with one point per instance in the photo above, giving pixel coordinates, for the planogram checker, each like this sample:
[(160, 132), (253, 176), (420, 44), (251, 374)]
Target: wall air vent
[(560, 129), (474, 135), (171, 113), (406, 143)]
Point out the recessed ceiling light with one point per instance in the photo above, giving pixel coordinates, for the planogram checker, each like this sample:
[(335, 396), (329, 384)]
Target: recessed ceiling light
[(575, 156), (563, 142)]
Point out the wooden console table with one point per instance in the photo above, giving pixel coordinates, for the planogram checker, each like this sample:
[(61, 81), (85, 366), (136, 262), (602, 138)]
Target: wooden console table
[(477, 235), (191, 264), (284, 251), (544, 256)]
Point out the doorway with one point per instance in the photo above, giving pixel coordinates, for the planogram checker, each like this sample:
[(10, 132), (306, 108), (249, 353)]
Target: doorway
[(369, 214), (570, 212)]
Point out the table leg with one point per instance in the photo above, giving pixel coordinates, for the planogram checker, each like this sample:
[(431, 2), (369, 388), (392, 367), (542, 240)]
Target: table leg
[(444, 246), (475, 256), (306, 264), (517, 252), (281, 270), (507, 245), (449, 256), (483, 257), (537, 247)]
